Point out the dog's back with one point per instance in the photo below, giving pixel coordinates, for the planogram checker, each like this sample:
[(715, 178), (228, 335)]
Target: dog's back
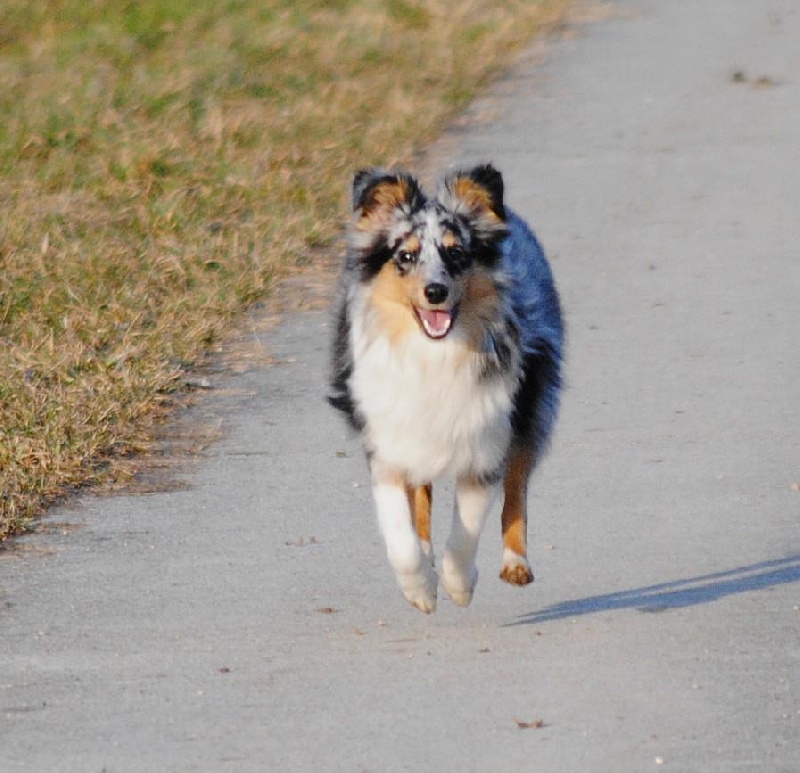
[(535, 304)]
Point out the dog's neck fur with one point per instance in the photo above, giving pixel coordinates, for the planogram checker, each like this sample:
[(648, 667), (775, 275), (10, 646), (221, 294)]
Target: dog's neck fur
[(431, 407)]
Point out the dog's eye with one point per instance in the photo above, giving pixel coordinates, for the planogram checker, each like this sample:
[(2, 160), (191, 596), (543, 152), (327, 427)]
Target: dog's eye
[(455, 252), (406, 257)]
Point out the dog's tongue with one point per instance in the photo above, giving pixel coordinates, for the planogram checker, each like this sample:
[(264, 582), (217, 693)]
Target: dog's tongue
[(435, 321)]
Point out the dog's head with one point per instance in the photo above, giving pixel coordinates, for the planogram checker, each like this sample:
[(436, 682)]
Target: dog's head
[(426, 258)]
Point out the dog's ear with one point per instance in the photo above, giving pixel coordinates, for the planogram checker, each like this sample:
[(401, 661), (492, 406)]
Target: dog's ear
[(477, 194), (363, 182), (376, 193)]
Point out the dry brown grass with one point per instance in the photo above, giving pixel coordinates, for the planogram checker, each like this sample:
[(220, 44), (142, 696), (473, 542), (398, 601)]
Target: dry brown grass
[(162, 161)]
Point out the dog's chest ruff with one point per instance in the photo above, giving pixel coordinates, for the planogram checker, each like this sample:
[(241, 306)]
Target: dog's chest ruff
[(429, 407)]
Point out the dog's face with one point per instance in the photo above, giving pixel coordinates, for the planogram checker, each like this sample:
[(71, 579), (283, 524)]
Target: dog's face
[(427, 261)]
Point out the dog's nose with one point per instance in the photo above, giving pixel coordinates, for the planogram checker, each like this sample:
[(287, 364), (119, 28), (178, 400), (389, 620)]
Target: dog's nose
[(436, 292)]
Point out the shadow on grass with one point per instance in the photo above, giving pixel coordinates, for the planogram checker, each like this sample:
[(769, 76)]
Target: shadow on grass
[(677, 594)]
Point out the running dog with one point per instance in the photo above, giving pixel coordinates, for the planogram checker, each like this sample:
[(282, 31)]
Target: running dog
[(447, 361)]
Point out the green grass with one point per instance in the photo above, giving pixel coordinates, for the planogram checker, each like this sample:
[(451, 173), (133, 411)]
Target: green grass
[(161, 162)]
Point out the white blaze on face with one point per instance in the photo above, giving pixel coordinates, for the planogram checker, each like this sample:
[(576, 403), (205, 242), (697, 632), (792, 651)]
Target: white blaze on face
[(436, 322)]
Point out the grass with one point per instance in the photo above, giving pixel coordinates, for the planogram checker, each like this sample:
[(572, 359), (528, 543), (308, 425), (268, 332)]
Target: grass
[(161, 162)]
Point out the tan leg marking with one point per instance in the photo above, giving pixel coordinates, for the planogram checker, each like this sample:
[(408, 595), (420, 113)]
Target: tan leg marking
[(419, 500), (515, 517)]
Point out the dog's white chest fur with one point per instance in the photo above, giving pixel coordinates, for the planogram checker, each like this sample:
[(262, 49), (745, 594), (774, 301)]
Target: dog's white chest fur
[(428, 411)]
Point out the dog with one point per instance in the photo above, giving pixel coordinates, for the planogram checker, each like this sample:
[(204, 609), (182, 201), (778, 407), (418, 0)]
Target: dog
[(446, 359)]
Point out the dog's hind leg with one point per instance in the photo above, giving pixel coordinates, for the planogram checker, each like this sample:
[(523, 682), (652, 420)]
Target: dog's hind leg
[(412, 566), (459, 573), (419, 499), (516, 570)]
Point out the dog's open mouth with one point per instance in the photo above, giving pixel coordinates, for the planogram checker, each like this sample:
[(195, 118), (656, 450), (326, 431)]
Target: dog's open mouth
[(435, 322)]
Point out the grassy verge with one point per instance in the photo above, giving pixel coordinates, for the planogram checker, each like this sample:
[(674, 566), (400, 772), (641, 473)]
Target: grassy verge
[(162, 161)]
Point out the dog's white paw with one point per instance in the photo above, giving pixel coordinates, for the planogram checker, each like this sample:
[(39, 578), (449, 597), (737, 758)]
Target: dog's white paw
[(459, 584), (515, 570), (419, 589)]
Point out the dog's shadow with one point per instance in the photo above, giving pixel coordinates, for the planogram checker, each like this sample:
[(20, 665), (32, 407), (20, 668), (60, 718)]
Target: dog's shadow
[(678, 593)]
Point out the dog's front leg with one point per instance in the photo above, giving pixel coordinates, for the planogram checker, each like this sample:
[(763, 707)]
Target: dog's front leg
[(412, 565), (459, 573)]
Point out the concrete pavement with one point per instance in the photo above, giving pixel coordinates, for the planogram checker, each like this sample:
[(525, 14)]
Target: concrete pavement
[(249, 620)]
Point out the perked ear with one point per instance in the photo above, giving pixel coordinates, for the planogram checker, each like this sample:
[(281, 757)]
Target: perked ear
[(376, 193), (476, 193)]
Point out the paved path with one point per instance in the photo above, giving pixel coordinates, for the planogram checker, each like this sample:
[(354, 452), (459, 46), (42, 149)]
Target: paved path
[(250, 621)]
